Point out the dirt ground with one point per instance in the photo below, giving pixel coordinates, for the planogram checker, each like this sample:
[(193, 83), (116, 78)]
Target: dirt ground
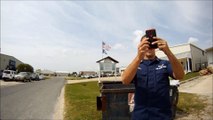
[(9, 83), (203, 87)]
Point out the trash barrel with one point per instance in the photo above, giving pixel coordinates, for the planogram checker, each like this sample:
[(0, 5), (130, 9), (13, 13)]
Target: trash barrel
[(174, 95), (114, 101)]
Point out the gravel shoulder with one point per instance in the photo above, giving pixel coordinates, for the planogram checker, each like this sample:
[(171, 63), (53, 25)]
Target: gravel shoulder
[(59, 107)]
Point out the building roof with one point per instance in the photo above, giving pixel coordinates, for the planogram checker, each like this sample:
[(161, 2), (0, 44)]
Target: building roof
[(209, 49), (108, 57), (184, 45), (180, 51), (1, 54)]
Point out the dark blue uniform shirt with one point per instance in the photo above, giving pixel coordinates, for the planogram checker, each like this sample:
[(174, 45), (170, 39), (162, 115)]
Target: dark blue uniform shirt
[(152, 101)]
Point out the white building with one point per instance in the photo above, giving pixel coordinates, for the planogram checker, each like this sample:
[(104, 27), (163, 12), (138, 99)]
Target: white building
[(209, 52), (8, 62), (107, 66), (191, 57)]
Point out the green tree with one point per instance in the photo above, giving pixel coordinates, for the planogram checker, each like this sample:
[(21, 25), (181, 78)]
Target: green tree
[(24, 68), (74, 74)]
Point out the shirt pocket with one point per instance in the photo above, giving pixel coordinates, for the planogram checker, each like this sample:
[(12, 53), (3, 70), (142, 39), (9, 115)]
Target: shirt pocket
[(141, 78), (161, 76)]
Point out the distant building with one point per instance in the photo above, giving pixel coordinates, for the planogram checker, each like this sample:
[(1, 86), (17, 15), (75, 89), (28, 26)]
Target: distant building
[(191, 57), (8, 62), (47, 73), (209, 52), (88, 73), (62, 73), (107, 66), (122, 69)]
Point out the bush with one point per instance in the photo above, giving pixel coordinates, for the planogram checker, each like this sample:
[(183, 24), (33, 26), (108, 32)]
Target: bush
[(24, 68)]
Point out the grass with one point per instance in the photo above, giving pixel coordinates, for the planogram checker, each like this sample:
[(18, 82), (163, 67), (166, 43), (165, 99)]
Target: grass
[(190, 75), (46, 77), (190, 103), (73, 78), (80, 101)]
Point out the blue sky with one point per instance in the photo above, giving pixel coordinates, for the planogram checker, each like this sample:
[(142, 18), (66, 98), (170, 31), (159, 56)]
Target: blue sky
[(67, 35)]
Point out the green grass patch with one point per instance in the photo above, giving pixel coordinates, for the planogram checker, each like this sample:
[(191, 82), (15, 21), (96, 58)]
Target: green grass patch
[(46, 77), (73, 78), (190, 75), (191, 103), (80, 101)]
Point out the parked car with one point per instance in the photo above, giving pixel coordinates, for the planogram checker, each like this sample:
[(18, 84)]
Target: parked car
[(34, 76), (23, 76), (86, 76), (1, 73), (41, 77), (8, 75)]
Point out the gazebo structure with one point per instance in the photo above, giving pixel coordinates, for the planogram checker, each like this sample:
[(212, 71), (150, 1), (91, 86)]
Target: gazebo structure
[(107, 67)]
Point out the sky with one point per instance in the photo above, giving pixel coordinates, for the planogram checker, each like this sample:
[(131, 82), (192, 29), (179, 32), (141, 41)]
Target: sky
[(68, 35)]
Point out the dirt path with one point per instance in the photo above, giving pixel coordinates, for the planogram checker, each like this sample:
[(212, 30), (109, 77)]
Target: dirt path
[(203, 87)]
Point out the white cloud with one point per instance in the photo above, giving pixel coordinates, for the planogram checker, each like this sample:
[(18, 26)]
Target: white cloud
[(118, 46), (64, 34), (193, 40), (137, 34)]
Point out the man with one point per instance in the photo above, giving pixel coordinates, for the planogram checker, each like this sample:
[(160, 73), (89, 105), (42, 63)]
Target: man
[(151, 77)]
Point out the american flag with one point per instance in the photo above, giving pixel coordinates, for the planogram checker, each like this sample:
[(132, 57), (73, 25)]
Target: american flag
[(105, 47)]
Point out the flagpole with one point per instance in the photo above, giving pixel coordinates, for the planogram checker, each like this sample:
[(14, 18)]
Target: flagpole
[(102, 48), (99, 76)]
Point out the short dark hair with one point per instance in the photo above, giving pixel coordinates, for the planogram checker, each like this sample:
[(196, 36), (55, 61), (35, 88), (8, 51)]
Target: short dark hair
[(143, 37)]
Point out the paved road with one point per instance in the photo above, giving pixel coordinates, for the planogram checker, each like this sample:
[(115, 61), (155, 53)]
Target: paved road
[(202, 85), (35, 100)]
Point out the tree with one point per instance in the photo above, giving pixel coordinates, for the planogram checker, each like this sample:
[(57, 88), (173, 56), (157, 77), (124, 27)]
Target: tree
[(24, 68), (74, 74)]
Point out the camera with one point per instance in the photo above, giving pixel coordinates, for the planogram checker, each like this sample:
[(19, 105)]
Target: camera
[(150, 34)]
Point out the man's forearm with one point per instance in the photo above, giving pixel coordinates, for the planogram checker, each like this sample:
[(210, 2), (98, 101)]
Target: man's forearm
[(130, 71), (176, 65)]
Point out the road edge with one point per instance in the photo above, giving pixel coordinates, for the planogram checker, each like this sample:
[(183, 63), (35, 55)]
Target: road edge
[(59, 107)]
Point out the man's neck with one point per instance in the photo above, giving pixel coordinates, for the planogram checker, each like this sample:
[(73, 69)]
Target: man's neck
[(149, 58)]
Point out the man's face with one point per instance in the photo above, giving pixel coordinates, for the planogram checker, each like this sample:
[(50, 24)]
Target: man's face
[(150, 53)]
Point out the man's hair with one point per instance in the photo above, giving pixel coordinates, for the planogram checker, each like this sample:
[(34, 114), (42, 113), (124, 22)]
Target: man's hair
[(143, 37)]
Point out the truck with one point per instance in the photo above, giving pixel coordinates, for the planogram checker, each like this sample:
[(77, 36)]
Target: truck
[(8, 75)]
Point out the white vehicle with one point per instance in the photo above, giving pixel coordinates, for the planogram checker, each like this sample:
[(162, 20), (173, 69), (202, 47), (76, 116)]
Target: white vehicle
[(8, 74)]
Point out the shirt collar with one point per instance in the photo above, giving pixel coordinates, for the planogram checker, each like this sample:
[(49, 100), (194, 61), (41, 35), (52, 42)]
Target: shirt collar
[(148, 62)]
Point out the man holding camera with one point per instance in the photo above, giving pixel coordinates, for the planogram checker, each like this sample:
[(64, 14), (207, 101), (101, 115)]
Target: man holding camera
[(151, 78)]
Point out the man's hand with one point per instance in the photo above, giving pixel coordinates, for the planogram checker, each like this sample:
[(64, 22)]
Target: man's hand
[(162, 45), (143, 47), (177, 68)]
